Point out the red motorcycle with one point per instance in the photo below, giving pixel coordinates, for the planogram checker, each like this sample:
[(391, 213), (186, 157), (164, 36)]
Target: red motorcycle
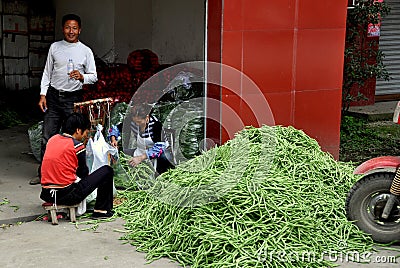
[(373, 203)]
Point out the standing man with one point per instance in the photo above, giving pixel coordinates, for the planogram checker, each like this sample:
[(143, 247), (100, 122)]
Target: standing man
[(61, 85)]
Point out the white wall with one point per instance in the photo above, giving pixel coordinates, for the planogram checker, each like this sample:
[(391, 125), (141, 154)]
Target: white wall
[(133, 26), (178, 30), (173, 29)]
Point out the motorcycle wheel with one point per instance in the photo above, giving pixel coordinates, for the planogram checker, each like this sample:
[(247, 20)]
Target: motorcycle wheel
[(364, 205)]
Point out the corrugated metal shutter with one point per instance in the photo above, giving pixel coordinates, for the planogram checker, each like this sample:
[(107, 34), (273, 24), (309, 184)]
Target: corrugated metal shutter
[(389, 42)]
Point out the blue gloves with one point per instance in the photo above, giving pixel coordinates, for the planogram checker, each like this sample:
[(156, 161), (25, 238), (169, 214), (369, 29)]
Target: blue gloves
[(113, 131), (157, 150)]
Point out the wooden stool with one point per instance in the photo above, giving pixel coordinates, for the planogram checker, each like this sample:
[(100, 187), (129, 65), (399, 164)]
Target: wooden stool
[(52, 211)]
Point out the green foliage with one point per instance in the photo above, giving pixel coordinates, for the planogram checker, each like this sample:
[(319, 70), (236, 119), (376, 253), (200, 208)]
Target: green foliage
[(363, 58), (9, 118), (361, 140), (354, 128)]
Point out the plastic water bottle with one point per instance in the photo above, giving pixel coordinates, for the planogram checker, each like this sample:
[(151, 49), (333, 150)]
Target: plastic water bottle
[(70, 66)]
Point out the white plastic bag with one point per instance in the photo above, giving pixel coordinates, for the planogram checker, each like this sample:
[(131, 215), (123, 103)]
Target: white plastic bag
[(98, 153)]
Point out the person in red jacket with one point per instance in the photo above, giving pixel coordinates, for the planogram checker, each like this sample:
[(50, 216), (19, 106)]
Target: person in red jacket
[(65, 175)]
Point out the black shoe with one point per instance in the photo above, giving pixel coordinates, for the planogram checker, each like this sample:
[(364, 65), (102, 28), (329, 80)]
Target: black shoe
[(99, 215), (34, 181)]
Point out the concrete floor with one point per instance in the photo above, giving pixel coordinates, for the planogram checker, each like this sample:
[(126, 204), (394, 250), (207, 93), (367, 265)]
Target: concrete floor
[(379, 111), (28, 243)]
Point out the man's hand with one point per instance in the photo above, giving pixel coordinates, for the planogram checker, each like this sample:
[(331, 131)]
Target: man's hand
[(42, 103), (136, 160), (113, 141), (75, 74)]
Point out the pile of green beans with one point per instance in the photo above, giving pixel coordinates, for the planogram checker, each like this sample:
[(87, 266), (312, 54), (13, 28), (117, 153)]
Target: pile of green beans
[(132, 178), (270, 197)]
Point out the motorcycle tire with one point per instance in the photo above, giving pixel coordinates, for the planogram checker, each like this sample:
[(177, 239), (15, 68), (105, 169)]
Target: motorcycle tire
[(365, 202)]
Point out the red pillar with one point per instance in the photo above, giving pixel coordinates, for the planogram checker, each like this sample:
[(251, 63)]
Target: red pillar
[(293, 51)]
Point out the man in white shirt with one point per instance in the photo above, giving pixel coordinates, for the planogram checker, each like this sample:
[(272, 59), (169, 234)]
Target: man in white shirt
[(60, 87)]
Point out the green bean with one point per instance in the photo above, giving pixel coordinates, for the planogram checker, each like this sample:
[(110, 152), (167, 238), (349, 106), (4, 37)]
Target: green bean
[(274, 190)]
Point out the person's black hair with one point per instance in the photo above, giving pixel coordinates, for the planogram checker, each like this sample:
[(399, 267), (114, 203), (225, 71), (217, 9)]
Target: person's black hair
[(141, 110), (75, 121), (71, 17)]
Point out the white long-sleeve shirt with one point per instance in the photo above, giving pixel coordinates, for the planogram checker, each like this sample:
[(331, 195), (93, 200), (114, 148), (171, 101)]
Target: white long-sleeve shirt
[(55, 70)]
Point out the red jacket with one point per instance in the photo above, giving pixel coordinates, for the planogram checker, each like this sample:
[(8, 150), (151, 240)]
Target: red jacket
[(63, 160)]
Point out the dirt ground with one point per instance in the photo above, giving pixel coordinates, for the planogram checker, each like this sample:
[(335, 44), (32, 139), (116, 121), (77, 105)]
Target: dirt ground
[(379, 138)]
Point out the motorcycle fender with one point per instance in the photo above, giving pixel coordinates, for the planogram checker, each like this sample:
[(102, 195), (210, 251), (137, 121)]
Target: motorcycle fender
[(378, 164)]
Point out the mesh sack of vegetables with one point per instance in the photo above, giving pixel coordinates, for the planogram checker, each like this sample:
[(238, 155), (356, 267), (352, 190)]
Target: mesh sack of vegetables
[(117, 114), (181, 111), (270, 197), (114, 81), (143, 60), (186, 121), (35, 139)]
